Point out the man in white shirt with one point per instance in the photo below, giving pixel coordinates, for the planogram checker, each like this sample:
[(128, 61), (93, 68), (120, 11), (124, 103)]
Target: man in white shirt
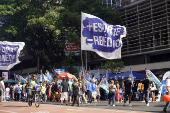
[(2, 89), (167, 92)]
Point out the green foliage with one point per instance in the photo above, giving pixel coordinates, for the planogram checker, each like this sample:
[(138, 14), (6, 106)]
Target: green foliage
[(45, 26), (114, 67)]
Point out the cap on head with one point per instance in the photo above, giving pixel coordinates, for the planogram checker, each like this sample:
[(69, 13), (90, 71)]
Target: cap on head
[(112, 81)]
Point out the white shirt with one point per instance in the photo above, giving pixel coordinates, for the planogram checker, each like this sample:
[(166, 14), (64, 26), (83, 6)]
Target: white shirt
[(2, 84), (168, 84)]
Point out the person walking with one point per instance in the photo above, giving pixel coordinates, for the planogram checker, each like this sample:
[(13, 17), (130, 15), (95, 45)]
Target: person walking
[(43, 92), (112, 92), (82, 92), (71, 93), (76, 92), (64, 91), (146, 91), (118, 97), (167, 92), (153, 88), (2, 89), (55, 90), (89, 90), (97, 91), (128, 90), (93, 90), (19, 92)]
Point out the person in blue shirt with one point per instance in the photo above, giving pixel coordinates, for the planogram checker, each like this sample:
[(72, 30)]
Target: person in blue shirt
[(19, 92), (89, 90), (93, 91)]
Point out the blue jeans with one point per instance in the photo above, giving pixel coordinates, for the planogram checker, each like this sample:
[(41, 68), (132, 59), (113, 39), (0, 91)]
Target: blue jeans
[(146, 92), (112, 97), (89, 94), (19, 96)]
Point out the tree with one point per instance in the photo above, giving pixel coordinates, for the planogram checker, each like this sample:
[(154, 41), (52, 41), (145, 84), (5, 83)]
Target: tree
[(45, 26), (114, 67)]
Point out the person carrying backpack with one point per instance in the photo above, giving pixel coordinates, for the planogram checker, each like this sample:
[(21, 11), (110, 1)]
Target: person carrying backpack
[(82, 91)]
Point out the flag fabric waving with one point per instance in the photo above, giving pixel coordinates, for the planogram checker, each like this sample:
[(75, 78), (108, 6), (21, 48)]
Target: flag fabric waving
[(131, 74), (152, 77), (59, 71), (9, 53), (100, 37), (96, 74)]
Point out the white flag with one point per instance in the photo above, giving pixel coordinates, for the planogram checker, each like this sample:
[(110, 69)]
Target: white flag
[(9, 53), (100, 37)]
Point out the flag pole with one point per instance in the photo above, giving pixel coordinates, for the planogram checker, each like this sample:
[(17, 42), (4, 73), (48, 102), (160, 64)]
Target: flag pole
[(81, 47), (82, 61), (86, 60)]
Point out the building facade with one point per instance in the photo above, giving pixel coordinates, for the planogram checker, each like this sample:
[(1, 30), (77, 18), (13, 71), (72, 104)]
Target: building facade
[(147, 44)]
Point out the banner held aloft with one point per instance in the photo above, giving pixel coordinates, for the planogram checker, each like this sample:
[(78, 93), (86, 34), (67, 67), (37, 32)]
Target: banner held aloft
[(100, 37), (9, 53)]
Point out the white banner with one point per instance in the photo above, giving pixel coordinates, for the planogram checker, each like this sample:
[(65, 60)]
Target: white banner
[(100, 37), (5, 75), (9, 53)]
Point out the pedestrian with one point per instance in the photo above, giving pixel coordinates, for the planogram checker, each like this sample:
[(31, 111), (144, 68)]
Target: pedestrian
[(43, 92), (15, 92), (82, 91), (128, 90), (55, 90), (71, 92), (89, 90), (19, 92), (167, 92), (112, 92), (140, 89), (146, 91), (93, 90), (118, 97), (2, 89), (152, 89), (11, 92), (76, 92), (64, 91), (97, 90)]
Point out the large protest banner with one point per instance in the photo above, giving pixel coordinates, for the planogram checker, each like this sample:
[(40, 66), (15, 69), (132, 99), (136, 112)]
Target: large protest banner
[(9, 53), (100, 37)]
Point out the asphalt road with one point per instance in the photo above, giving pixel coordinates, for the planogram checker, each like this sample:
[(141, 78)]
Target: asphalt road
[(99, 107)]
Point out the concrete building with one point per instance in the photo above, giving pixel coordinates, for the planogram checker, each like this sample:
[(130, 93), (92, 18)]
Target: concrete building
[(147, 44)]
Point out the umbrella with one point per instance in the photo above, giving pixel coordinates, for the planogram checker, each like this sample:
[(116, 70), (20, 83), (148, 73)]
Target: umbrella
[(66, 76)]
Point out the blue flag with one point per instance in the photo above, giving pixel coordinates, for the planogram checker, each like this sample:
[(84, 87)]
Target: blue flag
[(96, 75), (59, 71), (131, 74), (100, 37)]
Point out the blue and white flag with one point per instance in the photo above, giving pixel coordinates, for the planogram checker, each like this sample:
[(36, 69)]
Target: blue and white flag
[(9, 53), (87, 76), (19, 78), (100, 37), (152, 77), (131, 74), (59, 71), (48, 77), (96, 74)]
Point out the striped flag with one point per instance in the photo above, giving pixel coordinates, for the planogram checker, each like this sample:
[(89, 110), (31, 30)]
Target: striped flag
[(152, 77)]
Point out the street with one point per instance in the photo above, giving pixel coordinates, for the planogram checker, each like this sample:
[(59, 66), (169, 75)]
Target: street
[(100, 107)]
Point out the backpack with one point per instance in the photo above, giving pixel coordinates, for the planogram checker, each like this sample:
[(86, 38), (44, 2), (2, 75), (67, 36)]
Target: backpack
[(84, 88)]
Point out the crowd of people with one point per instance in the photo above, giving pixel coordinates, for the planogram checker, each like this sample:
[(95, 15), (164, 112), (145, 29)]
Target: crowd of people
[(86, 91)]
